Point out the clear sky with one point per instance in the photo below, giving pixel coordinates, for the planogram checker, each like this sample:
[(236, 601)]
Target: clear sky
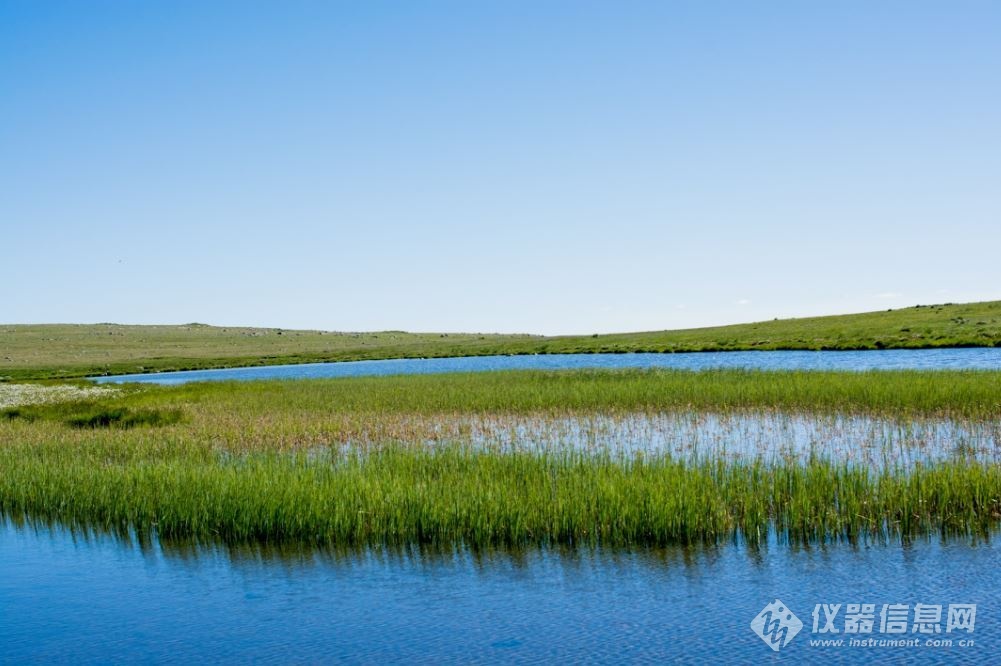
[(504, 166)]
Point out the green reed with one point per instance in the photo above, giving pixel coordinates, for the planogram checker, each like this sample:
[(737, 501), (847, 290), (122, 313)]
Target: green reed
[(459, 495), (394, 460)]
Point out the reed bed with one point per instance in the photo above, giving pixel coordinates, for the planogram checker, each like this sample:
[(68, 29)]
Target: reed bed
[(456, 495), (604, 458)]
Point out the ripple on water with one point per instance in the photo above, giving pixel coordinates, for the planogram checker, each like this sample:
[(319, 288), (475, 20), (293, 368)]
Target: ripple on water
[(67, 598)]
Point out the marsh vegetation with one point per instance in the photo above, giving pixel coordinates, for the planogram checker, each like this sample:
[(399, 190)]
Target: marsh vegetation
[(602, 458)]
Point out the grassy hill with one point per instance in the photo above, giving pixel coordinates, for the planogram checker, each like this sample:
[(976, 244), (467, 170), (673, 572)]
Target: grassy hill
[(78, 350)]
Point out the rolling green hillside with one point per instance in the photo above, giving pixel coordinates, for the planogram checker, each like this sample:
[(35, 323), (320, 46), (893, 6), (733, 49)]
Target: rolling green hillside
[(78, 350)]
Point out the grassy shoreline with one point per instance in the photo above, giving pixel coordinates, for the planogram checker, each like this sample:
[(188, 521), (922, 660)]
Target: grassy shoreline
[(903, 393), (73, 351)]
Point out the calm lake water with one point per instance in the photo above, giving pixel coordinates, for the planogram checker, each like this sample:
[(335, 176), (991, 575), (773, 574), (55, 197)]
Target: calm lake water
[(75, 599), (988, 358)]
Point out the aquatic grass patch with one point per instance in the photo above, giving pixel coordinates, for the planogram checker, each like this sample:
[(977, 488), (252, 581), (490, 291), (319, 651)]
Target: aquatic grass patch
[(123, 417), (396, 460), (460, 496), (904, 393), (521, 407)]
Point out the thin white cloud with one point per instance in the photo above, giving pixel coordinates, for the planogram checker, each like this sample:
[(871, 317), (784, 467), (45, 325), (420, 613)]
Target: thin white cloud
[(886, 295), (744, 301)]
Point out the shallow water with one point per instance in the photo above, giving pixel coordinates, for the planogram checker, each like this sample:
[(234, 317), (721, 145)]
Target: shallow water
[(73, 599), (876, 443), (893, 359)]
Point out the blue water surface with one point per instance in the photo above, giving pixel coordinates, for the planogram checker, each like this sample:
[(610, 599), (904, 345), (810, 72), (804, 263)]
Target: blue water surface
[(66, 598), (986, 358)]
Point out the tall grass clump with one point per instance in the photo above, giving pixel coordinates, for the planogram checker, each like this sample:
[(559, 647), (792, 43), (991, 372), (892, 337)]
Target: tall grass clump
[(462, 496), (93, 415)]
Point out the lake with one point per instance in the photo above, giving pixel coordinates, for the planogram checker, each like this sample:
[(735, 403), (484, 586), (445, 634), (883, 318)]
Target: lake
[(74, 598), (982, 358)]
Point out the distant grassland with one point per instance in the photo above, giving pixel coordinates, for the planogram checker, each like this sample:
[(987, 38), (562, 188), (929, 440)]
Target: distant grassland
[(67, 351)]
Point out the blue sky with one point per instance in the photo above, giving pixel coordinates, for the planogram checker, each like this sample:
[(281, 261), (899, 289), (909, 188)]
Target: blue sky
[(535, 166)]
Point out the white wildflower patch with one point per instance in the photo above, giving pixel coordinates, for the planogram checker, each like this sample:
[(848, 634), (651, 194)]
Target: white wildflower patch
[(13, 395)]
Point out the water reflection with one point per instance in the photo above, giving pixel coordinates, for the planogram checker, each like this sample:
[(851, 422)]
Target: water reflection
[(772, 436), (80, 597)]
